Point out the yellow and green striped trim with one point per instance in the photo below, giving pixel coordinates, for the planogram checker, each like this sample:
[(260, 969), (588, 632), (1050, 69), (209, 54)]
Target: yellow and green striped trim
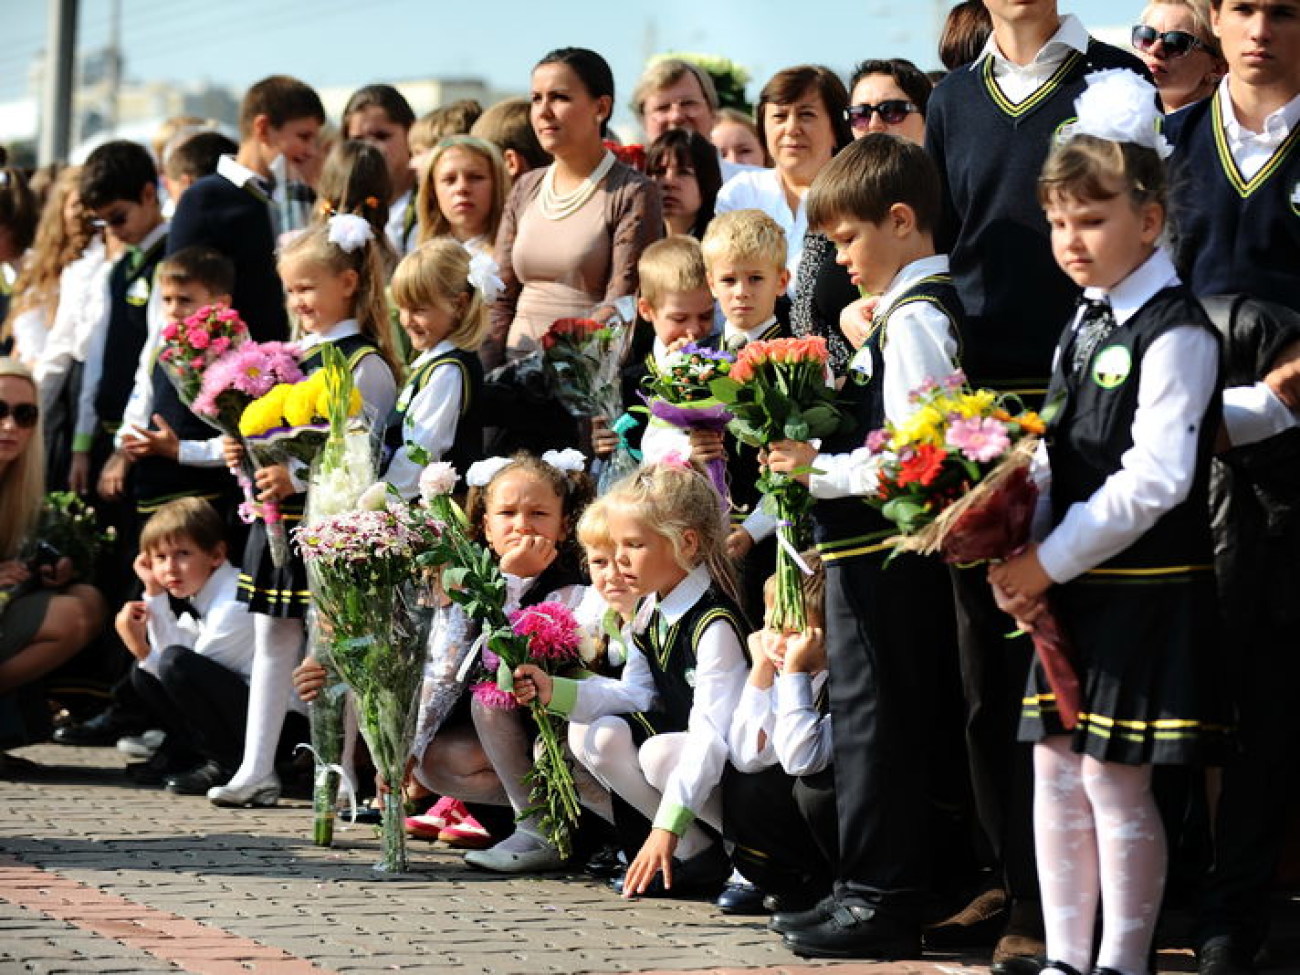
[(859, 545), (1245, 187), (1048, 88)]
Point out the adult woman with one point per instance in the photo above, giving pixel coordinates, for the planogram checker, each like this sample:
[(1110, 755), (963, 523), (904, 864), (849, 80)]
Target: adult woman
[(684, 165), (801, 121), (888, 96), (572, 233), (463, 192), (1175, 42), (51, 620), (378, 114)]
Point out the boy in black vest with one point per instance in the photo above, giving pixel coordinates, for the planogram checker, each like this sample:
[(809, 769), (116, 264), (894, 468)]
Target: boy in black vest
[(989, 128), (237, 210)]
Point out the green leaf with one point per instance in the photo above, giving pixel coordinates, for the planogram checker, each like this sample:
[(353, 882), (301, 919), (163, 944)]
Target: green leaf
[(725, 389)]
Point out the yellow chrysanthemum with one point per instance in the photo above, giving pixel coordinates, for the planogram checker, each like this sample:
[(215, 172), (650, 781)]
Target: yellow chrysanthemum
[(300, 404), (923, 426), (264, 413)]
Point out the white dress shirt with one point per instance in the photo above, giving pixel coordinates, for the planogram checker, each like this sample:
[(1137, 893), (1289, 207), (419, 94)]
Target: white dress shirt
[(82, 309), (1251, 151), (762, 189), (430, 420), (920, 344), (401, 236), (1178, 376), (1020, 81), (801, 735), (749, 739), (223, 634)]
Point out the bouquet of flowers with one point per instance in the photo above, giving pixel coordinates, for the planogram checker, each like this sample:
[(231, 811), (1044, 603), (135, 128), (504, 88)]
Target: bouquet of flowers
[(954, 478), (584, 360), (361, 564), (681, 394), (777, 390), (67, 527), (190, 348), (473, 580)]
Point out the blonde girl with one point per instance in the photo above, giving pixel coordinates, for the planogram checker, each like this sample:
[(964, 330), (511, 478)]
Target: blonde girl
[(463, 193)]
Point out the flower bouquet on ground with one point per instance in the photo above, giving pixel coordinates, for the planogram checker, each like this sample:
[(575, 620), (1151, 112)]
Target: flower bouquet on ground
[(777, 391), (190, 348), (584, 360), (954, 477), (473, 580), (368, 592), (67, 527), (681, 395)]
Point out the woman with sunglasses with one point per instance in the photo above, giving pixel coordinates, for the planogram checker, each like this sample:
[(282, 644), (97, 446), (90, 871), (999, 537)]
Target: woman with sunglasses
[(46, 620), (1175, 42)]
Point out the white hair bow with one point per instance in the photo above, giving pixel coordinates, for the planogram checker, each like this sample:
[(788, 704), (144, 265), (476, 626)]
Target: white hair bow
[(569, 460), (481, 472), (1120, 106), (348, 231), (483, 275)]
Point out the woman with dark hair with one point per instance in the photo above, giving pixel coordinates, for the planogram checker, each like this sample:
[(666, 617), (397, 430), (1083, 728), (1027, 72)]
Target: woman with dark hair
[(572, 232), (684, 165), (380, 115), (801, 120), (965, 32)]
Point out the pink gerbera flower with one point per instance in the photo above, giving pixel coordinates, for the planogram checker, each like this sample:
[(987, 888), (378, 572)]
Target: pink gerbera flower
[(981, 439), (551, 630)]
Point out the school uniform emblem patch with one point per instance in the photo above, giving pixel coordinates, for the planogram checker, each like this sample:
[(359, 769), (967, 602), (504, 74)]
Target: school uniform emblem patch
[(1111, 366), (862, 366), (138, 293), (1295, 198)]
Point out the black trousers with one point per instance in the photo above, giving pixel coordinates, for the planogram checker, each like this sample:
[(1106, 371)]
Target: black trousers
[(885, 625), (783, 828), (994, 670)]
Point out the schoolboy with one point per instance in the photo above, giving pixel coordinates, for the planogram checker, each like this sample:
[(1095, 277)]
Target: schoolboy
[(193, 657), (506, 125), (240, 210), (119, 186), (886, 629), (174, 453), (190, 156)]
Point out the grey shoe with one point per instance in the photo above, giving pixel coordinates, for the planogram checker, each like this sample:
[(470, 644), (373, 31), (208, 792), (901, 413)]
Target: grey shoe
[(497, 860)]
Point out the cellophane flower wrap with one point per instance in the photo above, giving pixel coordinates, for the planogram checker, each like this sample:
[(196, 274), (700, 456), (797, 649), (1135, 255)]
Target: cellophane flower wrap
[(777, 391), (584, 361), (375, 603), (680, 394), (473, 580), (290, 422), (954, 477), (341, 473)]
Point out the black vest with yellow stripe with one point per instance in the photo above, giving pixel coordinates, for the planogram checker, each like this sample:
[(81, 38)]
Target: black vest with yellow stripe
[(467, 446), (1090, 427), (130, 284)]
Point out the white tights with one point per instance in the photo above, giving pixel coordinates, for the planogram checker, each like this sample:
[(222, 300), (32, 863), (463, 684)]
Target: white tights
[(277, 646), (605, 747), (1098, 835)]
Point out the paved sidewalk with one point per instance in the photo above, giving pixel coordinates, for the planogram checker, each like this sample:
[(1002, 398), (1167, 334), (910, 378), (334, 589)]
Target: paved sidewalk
[(97, 875)]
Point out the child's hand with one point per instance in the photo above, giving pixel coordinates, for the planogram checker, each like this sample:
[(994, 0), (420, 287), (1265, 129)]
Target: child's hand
[(161, 442), (533, 684), (1284, 377), (763, 671), (132, 625), (309, 678), (527, 555), (12, 573), (603, 439), (738, 543), (1019, 585), (805, 653), (857, 320), (143, 566), (771, 644), (273, 483), (79, 473), (707, 445), (232, 452), (786, 456), (655, 856), (112, 479)]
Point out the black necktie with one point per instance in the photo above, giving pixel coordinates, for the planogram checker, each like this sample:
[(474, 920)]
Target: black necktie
[(1097, 322)]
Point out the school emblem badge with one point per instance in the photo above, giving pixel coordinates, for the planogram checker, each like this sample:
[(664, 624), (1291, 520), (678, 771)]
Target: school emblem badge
[(138, 293), (1295, 198), (862, 366), (1111, 366)]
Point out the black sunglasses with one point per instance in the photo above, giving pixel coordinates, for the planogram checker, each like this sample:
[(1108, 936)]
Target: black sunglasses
[(113, 219), (24, 414), (892, 111), (1177, 43)]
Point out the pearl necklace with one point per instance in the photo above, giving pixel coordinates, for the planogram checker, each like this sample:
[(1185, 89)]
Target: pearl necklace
[(557, 207)]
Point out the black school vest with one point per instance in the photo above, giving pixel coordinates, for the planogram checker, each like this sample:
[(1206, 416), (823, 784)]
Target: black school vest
[(1090, 426), (672, 657), (158, 480), (849, 527), (1236, 235), (129, 288), (467, 447)]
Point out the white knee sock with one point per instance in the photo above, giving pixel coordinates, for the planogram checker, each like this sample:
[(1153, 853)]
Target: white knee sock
[(1131, 847), (1066, 844), (277, 646), (659, 757)]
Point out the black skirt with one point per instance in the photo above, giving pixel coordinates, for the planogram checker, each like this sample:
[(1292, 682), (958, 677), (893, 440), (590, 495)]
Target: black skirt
[(267, 589), (1147, 651)]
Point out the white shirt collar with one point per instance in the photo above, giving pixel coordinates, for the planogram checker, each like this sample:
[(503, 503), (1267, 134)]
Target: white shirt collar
[(1277, 126), (1071, 36), (339, 330), (236, 172), (908, 276), (152, 237), (222, 580), (428, 355), (685, 594), (730, 331), (1126, 298)]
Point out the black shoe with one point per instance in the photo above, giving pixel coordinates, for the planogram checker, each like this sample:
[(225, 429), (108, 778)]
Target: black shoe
[(740, 897), (197, 781), (857, 931), (102, 730), (783, 922), (163, 765), (701, 876), (605, 863), (1221, 956)]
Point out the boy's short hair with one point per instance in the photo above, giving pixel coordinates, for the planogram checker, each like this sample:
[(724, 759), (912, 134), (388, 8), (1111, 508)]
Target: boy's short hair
[(191, 518), (456, 118), (671, 266), (196, 155), (281, 99), (863, 180), (507, 125), (744, 235), (813, 585), (199, 265), (117, 170), (385, 97)]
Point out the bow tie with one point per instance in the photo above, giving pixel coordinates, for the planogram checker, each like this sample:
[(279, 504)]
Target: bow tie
[(182, 606), (1096, 322)]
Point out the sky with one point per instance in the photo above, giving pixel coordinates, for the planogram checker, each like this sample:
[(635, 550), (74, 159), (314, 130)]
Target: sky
[(354, 42)]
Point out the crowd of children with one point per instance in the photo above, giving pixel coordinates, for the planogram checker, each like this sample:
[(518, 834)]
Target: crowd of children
[(868, 780)]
